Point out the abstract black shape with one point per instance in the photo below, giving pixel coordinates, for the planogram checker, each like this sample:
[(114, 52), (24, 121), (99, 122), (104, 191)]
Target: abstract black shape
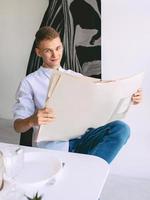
[(88, 54), (89, 58), (86, 17)]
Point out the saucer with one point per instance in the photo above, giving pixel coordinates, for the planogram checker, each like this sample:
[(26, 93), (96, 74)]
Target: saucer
[(38, 169)]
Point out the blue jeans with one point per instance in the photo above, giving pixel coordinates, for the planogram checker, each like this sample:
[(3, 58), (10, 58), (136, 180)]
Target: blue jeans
[(104, 142)]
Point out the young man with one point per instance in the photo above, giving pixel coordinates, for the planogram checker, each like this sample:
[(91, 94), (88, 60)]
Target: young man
[(29, 110)]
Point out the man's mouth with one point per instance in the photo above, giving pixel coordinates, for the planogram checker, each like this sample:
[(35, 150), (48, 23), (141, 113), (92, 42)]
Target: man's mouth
[(53, 60)]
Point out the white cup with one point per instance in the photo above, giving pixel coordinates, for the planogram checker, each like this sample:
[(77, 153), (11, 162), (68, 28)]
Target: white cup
[(2, 168), (13, 161)]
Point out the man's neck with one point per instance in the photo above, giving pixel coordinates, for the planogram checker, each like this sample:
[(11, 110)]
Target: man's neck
[(51, 67)]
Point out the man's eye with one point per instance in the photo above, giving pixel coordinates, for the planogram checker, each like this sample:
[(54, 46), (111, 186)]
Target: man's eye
[(59, 48), (47, 51)]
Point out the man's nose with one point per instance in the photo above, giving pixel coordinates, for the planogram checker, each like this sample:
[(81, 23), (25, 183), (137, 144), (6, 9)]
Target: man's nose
[(54, 53)]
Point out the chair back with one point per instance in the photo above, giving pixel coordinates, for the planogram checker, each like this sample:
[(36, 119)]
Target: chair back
[(26, 138)]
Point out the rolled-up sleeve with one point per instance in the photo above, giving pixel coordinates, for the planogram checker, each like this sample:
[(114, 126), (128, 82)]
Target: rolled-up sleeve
[(24, 106)]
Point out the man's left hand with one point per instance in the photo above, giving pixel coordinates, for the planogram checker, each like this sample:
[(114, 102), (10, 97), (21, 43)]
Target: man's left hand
[(137, 97)]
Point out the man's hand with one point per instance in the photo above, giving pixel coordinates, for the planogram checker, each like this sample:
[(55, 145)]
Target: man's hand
[(43, 116), (40, 117), (137, 97)]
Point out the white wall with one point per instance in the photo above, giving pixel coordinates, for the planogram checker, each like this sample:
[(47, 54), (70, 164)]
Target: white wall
[(125, 47), (19, 20), (126, 51)]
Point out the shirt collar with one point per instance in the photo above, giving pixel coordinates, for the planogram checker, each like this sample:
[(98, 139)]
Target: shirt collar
[(48, 71)]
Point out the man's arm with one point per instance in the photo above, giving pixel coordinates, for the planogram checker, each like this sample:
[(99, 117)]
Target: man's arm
[(40, 117)]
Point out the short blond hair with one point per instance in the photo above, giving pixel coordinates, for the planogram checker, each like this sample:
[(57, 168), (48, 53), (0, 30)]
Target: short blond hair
[(45, 33)]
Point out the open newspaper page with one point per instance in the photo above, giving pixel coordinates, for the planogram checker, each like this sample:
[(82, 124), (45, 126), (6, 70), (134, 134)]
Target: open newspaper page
[(80, 103)]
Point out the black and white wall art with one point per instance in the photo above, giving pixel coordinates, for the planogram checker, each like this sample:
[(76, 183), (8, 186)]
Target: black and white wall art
[(79, 24)]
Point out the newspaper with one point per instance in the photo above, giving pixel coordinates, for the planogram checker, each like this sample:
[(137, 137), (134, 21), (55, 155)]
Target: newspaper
[(80, 103)]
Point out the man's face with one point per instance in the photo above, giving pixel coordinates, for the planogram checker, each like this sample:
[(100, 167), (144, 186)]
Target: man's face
[(51, 52)]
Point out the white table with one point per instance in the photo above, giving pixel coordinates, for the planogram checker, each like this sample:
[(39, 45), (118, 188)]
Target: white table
[(82, 178)]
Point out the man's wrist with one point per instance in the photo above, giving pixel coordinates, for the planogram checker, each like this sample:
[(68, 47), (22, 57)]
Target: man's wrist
[(30, 122)]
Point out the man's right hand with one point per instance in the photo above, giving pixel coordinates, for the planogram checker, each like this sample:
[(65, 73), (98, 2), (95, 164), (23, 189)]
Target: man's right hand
[(43, 116), (40, 117)]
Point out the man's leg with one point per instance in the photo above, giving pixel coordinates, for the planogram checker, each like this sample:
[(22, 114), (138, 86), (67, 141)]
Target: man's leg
[(104, 142)]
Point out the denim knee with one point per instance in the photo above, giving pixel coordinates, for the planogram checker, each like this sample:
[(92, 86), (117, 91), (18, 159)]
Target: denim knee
[(122, 131)]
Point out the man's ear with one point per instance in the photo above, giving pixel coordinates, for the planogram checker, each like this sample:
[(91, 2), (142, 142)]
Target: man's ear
[(37, 51)]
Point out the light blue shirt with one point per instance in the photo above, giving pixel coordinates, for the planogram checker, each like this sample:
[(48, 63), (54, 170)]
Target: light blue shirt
[(31, 95)]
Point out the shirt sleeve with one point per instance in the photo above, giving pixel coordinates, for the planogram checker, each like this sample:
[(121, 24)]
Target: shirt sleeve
[(24, 106)]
